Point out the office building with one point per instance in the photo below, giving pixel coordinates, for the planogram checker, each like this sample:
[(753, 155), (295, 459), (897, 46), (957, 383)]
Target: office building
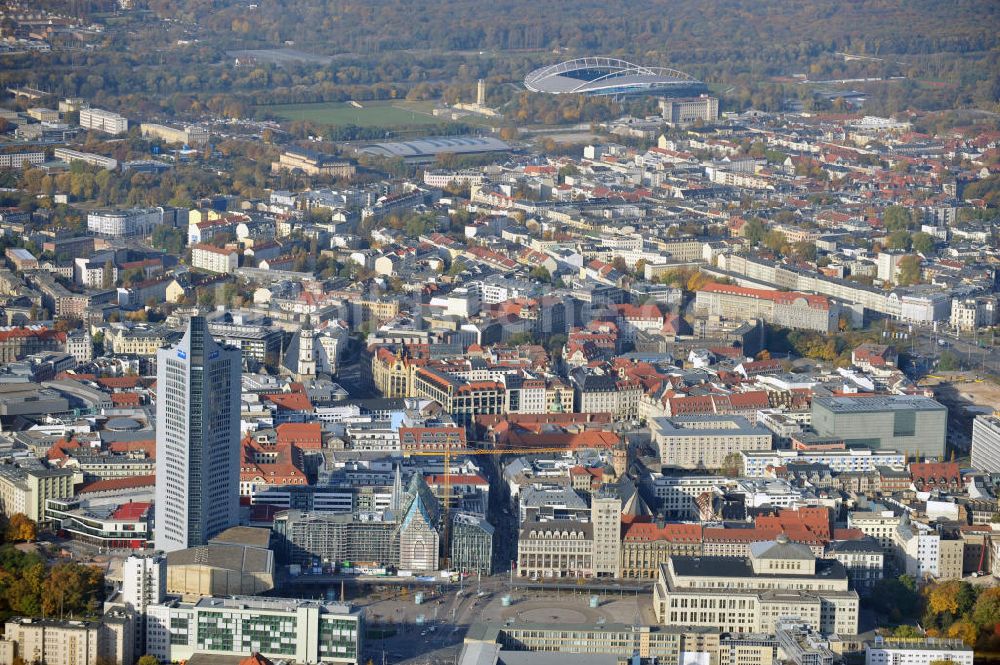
[(863, 559), (313, 163), (912, 424), (779, 579), (665, 644), (606, 516), (802, 311), (368, 538), (103, 121), (647, 545), (686, 110), (189, 135), (917, 651), (704, 442), (287, 629), (259, 343), (16, 343), (197, 439), (471, 544), (986, 444), (124, 223)]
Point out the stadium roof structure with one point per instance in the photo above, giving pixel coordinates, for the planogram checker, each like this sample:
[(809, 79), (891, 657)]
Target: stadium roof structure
[(611, 77), (426, 149)]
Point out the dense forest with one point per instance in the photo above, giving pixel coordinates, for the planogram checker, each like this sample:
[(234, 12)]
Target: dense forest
[(174, 56)]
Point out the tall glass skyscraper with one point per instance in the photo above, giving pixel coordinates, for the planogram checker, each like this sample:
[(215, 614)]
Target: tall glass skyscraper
[(197, 439)]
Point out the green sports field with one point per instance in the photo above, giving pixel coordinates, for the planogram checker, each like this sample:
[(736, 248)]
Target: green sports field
[(373, 114)]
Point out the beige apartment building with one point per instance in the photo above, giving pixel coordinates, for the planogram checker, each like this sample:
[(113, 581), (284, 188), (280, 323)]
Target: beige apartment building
[(880, 525), (69, 642), (26, 491), (779, 579)]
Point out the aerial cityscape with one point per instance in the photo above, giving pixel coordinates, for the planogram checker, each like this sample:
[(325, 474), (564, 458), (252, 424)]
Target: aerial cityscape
[(445, 332)]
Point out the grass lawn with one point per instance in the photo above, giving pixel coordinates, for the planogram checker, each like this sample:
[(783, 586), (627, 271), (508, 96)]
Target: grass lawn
[(395, 113)]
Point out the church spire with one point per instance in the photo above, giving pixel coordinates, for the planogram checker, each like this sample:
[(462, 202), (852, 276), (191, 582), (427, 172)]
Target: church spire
[(397, 491)]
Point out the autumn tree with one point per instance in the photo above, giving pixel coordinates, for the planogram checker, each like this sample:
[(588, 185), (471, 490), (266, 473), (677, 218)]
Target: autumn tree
[(986, 612), (964, 630), (923, 243), (804, 250), (754, 231), (899, 240), (775, 241), (108, 275), (897, 218), (697, 280), (909, 270), (20, 528)]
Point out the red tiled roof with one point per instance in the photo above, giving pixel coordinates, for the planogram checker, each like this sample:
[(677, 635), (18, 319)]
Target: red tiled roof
[(113, 484), (307, 436), (290, 401), (648, 532), (783, 297), (126, 399), (147, 446)]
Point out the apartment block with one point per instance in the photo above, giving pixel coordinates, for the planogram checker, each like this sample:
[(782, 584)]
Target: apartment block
[(69, 156), (214, 259), (103, 121), (27, 490), (58, 642)]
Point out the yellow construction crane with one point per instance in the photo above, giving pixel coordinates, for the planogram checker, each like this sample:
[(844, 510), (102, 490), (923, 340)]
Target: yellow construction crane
[(447, 453)]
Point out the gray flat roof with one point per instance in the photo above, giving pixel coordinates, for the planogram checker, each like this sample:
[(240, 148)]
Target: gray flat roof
[(725, 566), (878, 403)]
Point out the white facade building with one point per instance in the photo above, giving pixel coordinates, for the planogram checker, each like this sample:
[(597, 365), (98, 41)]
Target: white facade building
[(986, 444), (144, 583), (303, 631), (214, 259), (103, 121), (124, 223), (916, 651)]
